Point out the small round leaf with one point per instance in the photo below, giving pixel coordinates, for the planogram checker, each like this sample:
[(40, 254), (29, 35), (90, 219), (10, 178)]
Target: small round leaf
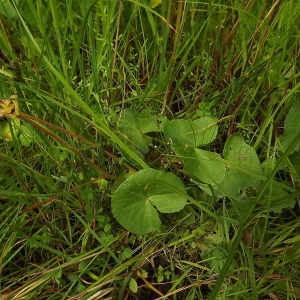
[(133, 285)]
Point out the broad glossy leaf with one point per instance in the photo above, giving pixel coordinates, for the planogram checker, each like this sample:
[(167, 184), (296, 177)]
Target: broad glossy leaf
[(206, 167), (135, 201), (191, 133), (134, 125), (143, 120), (245, 170)]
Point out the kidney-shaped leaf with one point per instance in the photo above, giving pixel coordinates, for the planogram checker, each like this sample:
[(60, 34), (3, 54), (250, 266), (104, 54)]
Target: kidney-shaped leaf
[(142, 120), (134, 125), (135, 201), (245, 170), (191, 133)]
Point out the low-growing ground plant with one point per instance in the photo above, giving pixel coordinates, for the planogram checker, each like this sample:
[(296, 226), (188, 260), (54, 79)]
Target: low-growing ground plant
[(149, 150)]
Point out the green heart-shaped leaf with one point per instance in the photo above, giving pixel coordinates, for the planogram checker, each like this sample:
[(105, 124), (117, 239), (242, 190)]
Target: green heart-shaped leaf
[(134, 125)]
